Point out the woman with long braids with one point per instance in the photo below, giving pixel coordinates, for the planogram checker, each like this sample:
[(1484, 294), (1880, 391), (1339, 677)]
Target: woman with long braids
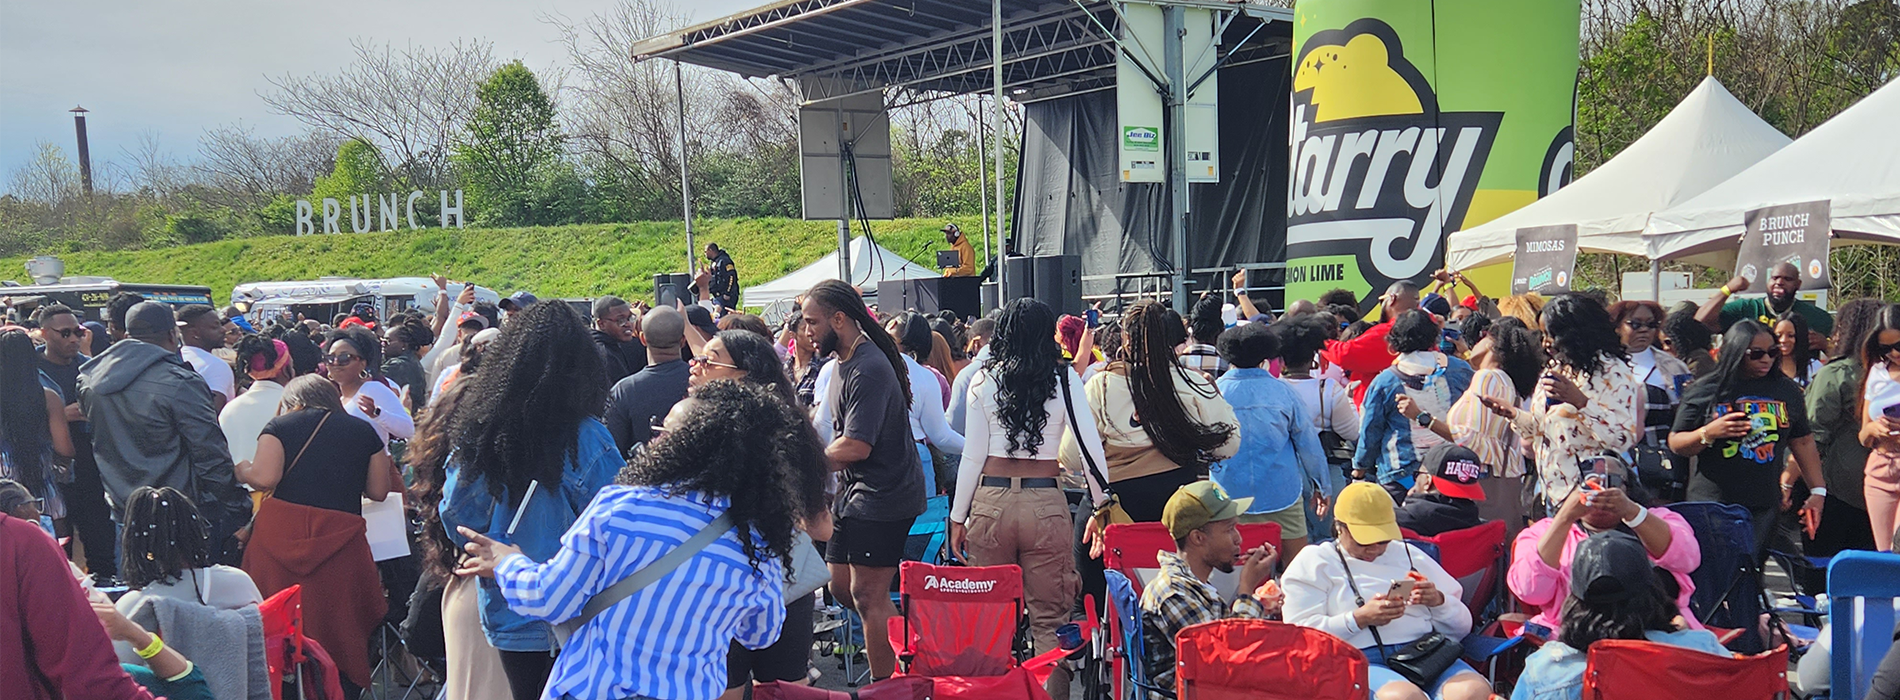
[(1009, 507), (670, 639), (1743, 420), (865, 415), (1161, 426), (529, 453), (165, 552), (1834, 410), (355, 359), (1584, 405), (32, 423)]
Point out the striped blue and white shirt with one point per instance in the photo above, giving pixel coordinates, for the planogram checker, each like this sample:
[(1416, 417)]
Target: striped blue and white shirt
[(668, 640)]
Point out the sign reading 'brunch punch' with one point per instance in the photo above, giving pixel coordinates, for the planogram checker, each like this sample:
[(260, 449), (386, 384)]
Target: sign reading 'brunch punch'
[(388, 212), (1792, 233), (1546, 259)]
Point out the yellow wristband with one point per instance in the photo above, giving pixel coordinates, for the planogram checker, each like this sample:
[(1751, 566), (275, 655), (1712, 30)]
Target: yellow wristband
[(1726, 292), (152, 649)]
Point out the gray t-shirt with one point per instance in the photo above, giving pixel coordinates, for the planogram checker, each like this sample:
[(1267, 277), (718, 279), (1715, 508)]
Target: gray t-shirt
[(868, 405)]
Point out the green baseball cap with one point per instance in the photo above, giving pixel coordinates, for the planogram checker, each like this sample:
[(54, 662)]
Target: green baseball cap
[(1195, 505)]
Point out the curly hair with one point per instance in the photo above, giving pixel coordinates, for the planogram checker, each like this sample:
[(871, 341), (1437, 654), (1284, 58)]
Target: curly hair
[(1852, 322), (540, 380), (754, 354), (1302, 337), (1685, 333), (364, 342), (1646, 609), (1023, 364), (163, 537), (23, 410), (1205, 320), (1528, 308), (841, 297), (253, 345), (1339, 297), (742, 441), (1413, 331), (1150, 333), (1518, 353), (428, 456), (1581, 333), (413, 334)]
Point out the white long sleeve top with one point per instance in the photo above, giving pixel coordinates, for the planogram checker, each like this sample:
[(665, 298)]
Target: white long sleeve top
[(1317, 595), (986, 437)]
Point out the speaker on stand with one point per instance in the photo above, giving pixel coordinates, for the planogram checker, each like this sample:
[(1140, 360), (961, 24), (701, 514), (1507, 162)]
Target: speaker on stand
[(1057, 281)]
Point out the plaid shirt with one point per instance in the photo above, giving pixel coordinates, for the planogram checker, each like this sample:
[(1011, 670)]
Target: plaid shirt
[(1203, 358), (1174, 600)]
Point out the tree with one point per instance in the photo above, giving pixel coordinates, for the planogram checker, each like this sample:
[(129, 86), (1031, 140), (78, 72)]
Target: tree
[(410, 104), (48, 179), (509, 147)]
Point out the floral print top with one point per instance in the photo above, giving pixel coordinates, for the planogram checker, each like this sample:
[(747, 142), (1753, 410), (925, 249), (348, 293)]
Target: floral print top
[(1562, 435)]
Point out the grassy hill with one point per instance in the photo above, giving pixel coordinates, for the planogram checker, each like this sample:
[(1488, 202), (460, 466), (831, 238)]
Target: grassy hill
[(563, 261)]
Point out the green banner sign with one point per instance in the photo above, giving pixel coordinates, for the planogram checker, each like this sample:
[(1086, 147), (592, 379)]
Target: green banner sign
[(1414, 120)]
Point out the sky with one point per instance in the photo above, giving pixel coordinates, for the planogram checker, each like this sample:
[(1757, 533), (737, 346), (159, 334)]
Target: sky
[(175, 69)]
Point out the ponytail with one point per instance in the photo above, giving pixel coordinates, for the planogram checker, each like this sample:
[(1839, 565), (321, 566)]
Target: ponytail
[(838, 296)]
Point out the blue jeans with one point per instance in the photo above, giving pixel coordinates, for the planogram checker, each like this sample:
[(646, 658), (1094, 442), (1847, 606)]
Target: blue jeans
[(930, 471), (1380, 675)]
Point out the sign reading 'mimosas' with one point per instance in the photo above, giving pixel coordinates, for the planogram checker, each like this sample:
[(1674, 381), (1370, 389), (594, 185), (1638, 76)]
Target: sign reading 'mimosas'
[(1546, 259), (389, 212)]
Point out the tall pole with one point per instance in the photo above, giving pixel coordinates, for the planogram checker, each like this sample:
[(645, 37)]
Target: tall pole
[(1175, 65), (844, 196), (686, 185), (85, 154), (982, 185), (996, 85)]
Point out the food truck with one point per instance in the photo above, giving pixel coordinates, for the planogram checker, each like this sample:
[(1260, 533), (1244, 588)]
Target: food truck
[(322, 299), (89, 295)]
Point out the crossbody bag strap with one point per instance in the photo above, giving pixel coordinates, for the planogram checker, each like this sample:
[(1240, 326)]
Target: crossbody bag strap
[(300, 451), (654, 571), (1068, 404), (1359, 599)]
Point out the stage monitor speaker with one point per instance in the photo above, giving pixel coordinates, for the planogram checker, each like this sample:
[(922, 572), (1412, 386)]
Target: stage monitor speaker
[(1019, 280), (1058, 282)]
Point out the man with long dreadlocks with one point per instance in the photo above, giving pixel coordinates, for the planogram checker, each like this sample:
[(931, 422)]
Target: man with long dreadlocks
[(883, 481)]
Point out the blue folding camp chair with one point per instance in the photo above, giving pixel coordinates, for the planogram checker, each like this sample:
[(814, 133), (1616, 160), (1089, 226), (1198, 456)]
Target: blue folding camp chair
[(1131, 657), (1862, 587), (1728, 589)]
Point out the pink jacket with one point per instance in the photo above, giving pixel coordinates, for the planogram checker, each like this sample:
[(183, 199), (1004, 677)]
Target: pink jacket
[(1537, 584)]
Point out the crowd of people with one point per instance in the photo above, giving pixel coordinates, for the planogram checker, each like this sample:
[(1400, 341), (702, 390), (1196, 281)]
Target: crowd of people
[(655, 502)]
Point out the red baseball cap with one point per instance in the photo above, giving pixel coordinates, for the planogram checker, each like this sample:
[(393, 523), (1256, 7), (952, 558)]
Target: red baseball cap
[(1455, 471)]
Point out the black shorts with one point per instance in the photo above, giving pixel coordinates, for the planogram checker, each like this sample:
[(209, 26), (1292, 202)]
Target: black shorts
[(788, 659), (873, 543)]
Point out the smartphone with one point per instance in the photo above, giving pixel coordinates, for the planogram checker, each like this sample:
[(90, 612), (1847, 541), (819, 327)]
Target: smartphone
[(1892, 411), (1551, 400), (1401, 590)]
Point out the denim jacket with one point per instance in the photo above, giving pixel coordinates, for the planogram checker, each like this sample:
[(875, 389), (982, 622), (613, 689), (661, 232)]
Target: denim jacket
[(1555, 670), (1385, 434), (1279, 446), (467, 503)]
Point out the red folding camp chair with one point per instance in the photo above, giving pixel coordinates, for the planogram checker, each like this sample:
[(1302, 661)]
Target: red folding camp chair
[(1628, 669), (1474, 556), (1134, 549), (286, 649), (966, 628), (1264, 660)]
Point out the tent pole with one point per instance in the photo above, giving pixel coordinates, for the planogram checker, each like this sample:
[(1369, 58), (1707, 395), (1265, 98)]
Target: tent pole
[(1655, 280), (686, 187), (996, 88)]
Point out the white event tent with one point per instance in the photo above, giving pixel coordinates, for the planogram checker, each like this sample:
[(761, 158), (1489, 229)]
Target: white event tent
[(1708, 138), (870, 264), (1852, 161)]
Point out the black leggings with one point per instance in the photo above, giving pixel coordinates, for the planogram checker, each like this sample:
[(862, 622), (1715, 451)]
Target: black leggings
[(527, 672), (1144, 498)]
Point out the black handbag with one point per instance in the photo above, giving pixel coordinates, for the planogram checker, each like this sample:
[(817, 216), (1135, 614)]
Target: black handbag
[(1338, 450), (1421, 661)]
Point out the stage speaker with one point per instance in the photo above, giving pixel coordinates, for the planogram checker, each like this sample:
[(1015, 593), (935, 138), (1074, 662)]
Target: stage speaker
[(1057, 281), (668, 288), (1019, 280)]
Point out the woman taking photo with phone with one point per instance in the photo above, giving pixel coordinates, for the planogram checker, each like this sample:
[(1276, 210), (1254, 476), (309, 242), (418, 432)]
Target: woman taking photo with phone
[(1742, 421)]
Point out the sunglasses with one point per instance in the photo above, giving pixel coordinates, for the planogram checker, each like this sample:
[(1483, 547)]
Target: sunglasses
[(704, 360), (65, 332), (1759, 353), (342, 358), (1642, 325), (1881, 350)]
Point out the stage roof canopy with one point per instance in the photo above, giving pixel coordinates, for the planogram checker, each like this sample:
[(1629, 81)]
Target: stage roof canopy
[(837, 48)]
